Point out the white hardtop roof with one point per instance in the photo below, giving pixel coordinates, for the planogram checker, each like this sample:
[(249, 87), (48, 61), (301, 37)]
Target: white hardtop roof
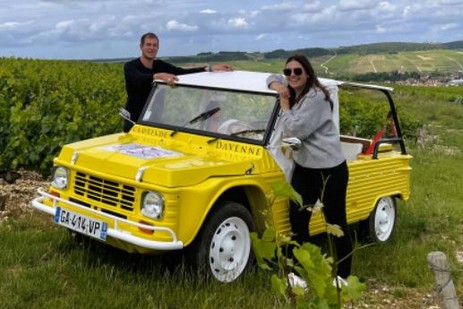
[(249, 81)]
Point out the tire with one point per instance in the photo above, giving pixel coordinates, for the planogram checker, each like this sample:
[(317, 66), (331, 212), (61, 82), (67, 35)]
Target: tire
[(380, 224), (222, 249)]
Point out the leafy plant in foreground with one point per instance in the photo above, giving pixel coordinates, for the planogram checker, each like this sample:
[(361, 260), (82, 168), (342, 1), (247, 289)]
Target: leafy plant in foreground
[(316, 290)]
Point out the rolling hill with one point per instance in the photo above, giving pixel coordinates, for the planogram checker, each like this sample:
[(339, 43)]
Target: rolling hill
[(345, 61), (421, 58)]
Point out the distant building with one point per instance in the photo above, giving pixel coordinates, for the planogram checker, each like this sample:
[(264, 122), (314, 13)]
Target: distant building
[(455, 82)]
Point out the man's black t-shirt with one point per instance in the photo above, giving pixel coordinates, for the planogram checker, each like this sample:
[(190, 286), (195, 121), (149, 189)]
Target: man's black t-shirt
[(138, 81)]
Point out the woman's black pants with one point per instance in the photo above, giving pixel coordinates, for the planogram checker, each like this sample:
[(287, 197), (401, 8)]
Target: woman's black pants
[(330, 186)]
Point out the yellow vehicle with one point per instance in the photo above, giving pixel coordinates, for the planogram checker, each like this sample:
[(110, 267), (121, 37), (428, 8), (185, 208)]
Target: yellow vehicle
[(196, 173)]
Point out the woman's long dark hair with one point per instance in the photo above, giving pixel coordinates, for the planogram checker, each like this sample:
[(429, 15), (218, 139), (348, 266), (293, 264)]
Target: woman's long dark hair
[(312, 80)]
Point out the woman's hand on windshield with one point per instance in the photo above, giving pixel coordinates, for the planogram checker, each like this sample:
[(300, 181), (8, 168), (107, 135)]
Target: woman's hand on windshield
[(283, 94)]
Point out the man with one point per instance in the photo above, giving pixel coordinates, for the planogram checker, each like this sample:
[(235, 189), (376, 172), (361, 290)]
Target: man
[(140, 73)]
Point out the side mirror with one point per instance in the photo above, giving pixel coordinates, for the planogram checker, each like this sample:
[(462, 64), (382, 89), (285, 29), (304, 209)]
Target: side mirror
[(125, 114), (292, 142)]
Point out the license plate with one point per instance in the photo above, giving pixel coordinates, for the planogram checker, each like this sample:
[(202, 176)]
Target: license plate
[(82, 224)]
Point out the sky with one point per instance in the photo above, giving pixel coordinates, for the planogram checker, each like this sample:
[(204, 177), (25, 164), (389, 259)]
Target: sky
[(96, 29)]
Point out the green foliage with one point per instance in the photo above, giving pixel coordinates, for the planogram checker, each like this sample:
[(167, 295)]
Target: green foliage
[(311, 265), (309, 52), (361, 113), (46, 104), (393, 76), (210, 57), (453, 45), (387, 47), (272, 253), (283, 188)]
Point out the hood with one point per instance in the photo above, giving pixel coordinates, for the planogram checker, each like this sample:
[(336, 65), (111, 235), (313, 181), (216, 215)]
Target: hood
[(157, 165)]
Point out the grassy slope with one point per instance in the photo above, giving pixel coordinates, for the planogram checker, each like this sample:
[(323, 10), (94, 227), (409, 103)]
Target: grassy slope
[(432, 219), (351, 64), (422, 61)]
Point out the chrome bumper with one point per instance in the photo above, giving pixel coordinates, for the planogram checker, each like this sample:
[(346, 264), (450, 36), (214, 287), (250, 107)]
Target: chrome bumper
[(116, 233)]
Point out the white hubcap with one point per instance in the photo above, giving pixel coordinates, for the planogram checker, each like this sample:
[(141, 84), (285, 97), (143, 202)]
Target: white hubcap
[(230, 249), (384, 218)]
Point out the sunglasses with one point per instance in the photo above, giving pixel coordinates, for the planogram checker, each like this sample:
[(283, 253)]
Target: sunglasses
[(297, 71)]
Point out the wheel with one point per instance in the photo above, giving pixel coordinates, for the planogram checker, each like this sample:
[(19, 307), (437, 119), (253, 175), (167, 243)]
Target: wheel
[(381, 222), (223, 246)]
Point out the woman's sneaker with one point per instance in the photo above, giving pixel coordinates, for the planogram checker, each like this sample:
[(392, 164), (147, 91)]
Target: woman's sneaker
[(295, 280), (339, 282)]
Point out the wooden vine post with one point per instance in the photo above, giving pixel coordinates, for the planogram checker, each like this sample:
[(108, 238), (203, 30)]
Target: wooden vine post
[(445, 288)]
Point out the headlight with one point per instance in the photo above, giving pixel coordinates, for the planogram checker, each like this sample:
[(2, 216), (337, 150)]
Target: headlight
[(60, 178), (152, 205)]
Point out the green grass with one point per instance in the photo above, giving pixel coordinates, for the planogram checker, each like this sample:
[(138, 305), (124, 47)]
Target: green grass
[(41, 266), (432, 219)]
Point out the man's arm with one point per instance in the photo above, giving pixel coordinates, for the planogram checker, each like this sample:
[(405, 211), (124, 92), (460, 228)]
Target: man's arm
[(135, 77), (161, 66)]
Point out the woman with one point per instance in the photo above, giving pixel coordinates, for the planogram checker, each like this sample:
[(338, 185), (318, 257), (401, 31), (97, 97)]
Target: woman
[(320, 167)]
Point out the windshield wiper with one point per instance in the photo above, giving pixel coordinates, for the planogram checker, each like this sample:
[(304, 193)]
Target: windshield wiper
[(200, 117), (255, 131)]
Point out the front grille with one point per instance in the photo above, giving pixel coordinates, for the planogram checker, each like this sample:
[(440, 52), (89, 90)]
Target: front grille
[(104, 191)]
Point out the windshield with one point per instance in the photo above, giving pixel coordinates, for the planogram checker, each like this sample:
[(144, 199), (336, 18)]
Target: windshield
[(216, 113)]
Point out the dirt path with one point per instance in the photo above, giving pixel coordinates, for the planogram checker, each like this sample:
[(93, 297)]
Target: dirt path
[(323, 65), (16, 197), (372, 65), (456, 62)]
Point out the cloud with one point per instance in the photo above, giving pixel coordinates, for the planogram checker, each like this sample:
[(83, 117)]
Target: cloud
[(238, 22), (450, 2), (208, 11), (355, 5), (64, 26), (386, 6), (380, 29), (406, 11), (313, 6), (87, 28), (175, 25), (279, 7), (450, 26), (9, 25)]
